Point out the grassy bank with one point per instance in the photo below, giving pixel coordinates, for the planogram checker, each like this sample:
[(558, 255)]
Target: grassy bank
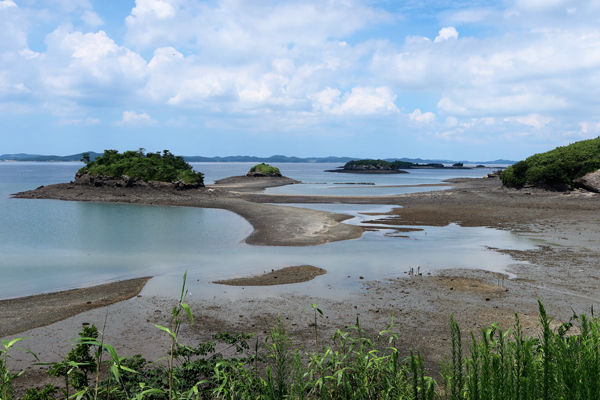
[(492, 364)]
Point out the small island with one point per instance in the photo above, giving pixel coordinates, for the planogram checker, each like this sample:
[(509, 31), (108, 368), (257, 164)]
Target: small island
[(369, 166), (259, 177), (138, 168), (372, 167)]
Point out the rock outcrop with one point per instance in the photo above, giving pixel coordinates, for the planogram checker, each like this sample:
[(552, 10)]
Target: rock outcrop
[(589, 181), (260, 174), (128, 181)]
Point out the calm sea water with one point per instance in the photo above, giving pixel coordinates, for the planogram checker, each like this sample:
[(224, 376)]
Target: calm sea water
[(49, 245)]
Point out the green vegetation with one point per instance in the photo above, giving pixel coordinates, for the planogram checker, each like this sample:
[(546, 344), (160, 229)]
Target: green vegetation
[(265, 169), (494, 365), (559, 166), (163, 167), (381, 164)]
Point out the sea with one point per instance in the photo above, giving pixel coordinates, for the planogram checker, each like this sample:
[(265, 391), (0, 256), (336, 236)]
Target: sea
[(53, 245)]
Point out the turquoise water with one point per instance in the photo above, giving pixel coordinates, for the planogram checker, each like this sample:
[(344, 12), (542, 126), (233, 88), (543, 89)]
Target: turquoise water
[(49, 245)]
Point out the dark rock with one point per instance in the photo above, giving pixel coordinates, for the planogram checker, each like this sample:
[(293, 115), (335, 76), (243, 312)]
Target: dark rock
[(128, 182), (259, 174)]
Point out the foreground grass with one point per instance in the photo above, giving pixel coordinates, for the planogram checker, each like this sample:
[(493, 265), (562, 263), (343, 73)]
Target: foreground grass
[(491, 365)]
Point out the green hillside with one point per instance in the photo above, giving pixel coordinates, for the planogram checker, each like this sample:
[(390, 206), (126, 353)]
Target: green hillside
[(559, 166)]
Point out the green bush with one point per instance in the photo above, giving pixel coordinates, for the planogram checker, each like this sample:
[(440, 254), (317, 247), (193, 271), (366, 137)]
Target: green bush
[(265, 169), (163, 167), (559, 166)]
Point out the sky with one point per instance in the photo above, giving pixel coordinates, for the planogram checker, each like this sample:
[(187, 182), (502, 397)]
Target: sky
[(462, 79)]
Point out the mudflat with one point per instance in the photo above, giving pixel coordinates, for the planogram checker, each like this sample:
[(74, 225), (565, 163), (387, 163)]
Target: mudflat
[(24, 313), (283, 276), (562, 271)]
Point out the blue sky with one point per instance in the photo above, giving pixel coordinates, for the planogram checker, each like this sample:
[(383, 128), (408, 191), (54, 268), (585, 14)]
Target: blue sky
[(475, 80)]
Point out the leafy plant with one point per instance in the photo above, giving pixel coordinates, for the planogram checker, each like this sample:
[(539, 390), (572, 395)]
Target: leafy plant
[(6, 377), (265, 169)]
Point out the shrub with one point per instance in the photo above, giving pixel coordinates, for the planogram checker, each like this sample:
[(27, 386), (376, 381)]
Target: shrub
[(265, 169), (559, 166)]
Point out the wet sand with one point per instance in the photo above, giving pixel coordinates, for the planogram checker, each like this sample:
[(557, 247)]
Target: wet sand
[(563, 272), (24, 313), (283, 276)]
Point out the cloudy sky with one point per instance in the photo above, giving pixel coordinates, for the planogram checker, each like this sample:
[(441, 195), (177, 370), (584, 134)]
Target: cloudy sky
[(470, 79)]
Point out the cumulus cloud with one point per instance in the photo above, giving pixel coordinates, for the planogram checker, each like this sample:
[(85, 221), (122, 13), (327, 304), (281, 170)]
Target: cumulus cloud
[(247, 27), (311, 62), (589, 129), (446, 34), (359, 101), (133, 119), (425, 118), (90, 65)]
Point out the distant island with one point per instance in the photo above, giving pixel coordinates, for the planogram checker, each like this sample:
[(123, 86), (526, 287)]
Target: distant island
[(369, 166), (138, 168), (252, 159)]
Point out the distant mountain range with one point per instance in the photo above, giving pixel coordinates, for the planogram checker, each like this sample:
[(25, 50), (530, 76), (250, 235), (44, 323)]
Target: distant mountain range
[(272, 159)]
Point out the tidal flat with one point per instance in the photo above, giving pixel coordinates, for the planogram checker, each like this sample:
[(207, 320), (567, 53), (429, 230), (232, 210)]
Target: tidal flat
[(557, 264)]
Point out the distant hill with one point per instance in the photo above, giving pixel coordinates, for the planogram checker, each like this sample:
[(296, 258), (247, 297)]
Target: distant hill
[(432, 161), (19, 156), (37, 157), (272, 159)]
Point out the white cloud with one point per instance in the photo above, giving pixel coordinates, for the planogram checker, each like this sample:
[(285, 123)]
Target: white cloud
[(248, 28), (359, 101), (132, 119), (589, 128), (4, 4), (446, 105), (534, 120), (446, 34), (90, 65), (425, 118)]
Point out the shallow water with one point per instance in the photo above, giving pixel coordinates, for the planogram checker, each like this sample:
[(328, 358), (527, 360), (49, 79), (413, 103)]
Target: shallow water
[(49, 245), (315, 181)]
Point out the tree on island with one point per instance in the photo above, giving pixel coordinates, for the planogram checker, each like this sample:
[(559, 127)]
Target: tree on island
[(377, 164), (159, 167)]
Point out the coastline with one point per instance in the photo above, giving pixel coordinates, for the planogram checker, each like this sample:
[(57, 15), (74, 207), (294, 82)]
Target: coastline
[(562, 272), (273, 225)]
